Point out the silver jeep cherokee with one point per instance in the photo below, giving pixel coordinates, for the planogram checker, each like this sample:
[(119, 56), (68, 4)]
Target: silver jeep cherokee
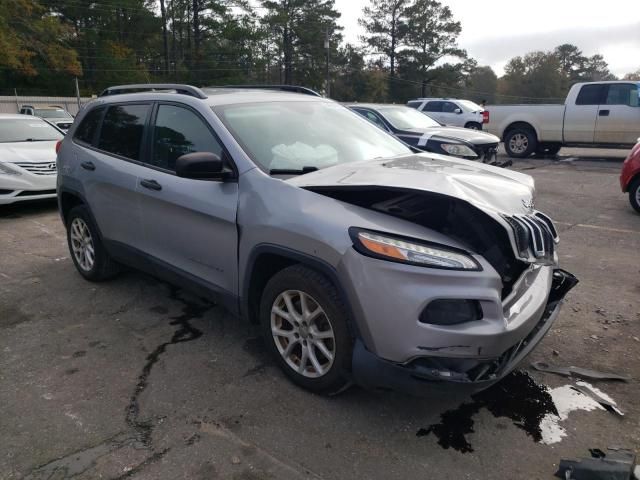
[(362, 260)]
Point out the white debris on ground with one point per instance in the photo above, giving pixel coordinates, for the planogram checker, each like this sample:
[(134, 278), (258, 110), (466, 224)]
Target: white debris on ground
[(603, 396), (566, 400)]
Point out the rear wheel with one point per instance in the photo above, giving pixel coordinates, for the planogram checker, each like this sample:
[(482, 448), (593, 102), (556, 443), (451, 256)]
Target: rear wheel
[(86, 248), (520, 142), (473, 126), (634, 194), (304, 324)]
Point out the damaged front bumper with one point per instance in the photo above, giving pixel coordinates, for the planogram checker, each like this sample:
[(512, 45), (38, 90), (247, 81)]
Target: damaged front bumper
[(427, 374)]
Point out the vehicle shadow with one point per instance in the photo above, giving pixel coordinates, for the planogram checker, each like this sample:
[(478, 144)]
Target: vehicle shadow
[(26, 209)]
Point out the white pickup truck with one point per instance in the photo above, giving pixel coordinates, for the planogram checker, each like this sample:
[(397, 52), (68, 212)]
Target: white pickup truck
[(595, 114)]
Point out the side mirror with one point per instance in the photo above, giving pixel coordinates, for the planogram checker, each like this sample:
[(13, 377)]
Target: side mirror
[(458, 111), (201, 166)]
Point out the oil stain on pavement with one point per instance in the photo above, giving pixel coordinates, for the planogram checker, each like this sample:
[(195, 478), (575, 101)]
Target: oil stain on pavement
[(185, 333), (517, 397)]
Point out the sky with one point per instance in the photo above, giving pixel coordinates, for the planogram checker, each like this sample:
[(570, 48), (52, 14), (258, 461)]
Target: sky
[(494, 31)]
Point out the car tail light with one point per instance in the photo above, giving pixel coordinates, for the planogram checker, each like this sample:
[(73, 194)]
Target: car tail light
[(485, 116), (58, 145)]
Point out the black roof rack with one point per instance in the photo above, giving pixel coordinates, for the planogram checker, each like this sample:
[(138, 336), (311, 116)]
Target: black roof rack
[(283, 88), (152, 87)]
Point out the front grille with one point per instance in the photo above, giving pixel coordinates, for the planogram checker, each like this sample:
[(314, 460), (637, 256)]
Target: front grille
[(535, 236), (39, 168), (34, 193)]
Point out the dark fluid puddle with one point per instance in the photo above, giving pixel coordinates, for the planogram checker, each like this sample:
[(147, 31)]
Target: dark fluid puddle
[(517, 397)]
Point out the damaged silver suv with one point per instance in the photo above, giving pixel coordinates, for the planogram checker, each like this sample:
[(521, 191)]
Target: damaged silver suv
[(362, 260)]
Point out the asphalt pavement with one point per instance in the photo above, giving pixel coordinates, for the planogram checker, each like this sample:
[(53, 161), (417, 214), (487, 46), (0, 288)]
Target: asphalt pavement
[(134, 378)]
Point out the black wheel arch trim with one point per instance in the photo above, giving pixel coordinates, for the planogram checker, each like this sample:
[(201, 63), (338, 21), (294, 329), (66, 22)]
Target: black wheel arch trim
[(301, 258), (76, 193)]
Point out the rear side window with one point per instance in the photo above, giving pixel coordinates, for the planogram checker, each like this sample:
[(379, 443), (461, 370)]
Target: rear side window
[(449, 107), (590, 95), (433, 107), (622, 94), (122, 130), (414, 104), (86, 131), (179, 131)]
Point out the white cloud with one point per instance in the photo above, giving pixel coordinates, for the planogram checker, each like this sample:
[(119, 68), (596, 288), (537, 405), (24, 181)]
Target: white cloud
[(493, 31)]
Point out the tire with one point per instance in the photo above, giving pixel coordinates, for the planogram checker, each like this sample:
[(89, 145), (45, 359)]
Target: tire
[(634, 194), (550, 149), (520, 142), (473, 126), (297, 282), (82, 237)]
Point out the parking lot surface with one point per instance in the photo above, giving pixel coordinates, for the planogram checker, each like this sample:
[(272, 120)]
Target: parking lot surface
[(134, 378)]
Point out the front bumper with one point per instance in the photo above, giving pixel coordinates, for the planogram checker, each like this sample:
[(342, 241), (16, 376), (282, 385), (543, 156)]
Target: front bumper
[(26, 186), (429, 374)]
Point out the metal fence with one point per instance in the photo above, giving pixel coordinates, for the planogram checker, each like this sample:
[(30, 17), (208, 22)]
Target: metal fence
[(12, 104)]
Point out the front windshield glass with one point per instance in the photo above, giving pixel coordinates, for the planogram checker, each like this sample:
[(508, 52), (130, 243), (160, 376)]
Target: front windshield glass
[(52, 113), (307, 134), (470, 106), (27, 130), (406, 118)]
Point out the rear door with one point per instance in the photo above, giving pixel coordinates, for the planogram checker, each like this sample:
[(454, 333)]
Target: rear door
[(433, 108), (580, 119), (109, 148), (450, 115), (618, 119), (189, 225)]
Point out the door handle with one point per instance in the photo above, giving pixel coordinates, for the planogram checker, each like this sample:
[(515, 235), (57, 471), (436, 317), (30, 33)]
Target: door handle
[(603, 113), (88, 166), (151, 185)]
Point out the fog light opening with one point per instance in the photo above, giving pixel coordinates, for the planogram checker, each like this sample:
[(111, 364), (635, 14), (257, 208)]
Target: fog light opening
[(451, 312)]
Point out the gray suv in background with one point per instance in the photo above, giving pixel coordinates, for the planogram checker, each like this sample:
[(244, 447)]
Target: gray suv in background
[(362, 260)]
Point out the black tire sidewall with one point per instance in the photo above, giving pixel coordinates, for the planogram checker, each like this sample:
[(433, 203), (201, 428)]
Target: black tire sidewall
[(634, 186), (533, 142), (325, 294), (473, 126), (100, 270)]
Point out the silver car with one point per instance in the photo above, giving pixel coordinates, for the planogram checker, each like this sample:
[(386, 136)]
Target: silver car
[(361, 260)]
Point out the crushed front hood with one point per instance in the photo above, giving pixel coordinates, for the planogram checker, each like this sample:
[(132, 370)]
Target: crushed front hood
[(492, 189)]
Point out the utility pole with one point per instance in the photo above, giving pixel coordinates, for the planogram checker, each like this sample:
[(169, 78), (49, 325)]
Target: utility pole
[(327, 46), (78, 94)]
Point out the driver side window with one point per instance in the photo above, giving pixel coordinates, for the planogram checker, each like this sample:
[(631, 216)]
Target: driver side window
[(178, 131)]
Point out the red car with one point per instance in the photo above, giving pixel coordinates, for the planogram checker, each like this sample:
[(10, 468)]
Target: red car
[(630, 176)]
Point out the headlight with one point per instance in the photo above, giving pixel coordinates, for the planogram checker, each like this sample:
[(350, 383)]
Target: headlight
[(7, 170), (458, 150), (413, 252)]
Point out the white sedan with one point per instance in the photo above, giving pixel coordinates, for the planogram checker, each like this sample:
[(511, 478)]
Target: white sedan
[(27, 158)]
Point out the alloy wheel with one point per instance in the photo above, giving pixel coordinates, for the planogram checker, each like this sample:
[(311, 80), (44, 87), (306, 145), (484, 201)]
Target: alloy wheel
[(303, 333), (82, 244), (519, 143)]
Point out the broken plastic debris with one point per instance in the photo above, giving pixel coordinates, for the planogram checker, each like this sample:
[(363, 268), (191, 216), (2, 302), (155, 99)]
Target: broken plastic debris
[(613, 465), (602, 398), (578, 372)]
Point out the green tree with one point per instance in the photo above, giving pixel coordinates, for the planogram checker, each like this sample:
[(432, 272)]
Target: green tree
[(33, 44), (301, 27), (483, 84), (635, 76), (385, 22), (536, 77)]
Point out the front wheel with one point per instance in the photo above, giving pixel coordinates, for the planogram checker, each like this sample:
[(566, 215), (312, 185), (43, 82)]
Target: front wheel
[(473, 126), (634, 194), (304, 323), (520, 142)]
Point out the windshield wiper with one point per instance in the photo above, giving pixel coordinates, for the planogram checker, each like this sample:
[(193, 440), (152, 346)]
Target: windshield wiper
[(292, 171)]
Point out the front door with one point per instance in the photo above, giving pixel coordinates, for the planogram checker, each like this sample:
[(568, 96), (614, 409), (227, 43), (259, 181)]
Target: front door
[(189, 225), (618, 119), (580, 119)]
